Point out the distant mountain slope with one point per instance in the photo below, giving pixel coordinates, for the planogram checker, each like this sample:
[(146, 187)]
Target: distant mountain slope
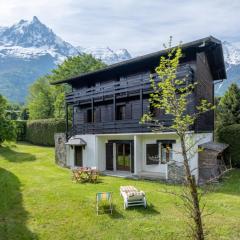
[(232, 63), (29, 49), (106, 54)]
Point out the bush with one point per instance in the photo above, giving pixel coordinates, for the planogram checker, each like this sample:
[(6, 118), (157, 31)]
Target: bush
[(41, 132), (21, 126), (231, 136)]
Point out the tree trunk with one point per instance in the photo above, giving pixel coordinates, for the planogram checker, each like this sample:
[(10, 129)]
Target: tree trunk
[(191, 183)]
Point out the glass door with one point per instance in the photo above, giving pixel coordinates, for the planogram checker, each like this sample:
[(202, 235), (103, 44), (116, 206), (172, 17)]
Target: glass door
[(123, 156)]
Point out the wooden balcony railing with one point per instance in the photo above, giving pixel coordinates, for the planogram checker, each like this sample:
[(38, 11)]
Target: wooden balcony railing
[(129, 87), (119, 126)]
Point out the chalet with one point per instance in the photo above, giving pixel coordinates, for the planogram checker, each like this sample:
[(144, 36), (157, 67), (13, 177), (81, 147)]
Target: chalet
[(107, 106)]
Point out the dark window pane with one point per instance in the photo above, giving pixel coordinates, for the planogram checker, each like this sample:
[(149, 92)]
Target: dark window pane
[(152, 154), (121, 112), (89, 115)]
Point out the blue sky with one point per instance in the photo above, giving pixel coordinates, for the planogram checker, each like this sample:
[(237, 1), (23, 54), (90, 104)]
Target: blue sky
[(141, 26)]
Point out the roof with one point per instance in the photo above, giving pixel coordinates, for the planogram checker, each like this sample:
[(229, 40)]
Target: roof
[(210, 45), (76, 141), (218, 147)]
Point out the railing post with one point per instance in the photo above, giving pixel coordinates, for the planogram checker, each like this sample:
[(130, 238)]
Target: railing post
[(114, 106), (66, 112), (92, 103)]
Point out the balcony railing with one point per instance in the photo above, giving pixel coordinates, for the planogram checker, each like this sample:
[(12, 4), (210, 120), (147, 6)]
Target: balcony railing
[(128, 87), (118, 126)]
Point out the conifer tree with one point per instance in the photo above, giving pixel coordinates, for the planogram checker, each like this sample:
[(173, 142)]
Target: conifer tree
[(228, 110)]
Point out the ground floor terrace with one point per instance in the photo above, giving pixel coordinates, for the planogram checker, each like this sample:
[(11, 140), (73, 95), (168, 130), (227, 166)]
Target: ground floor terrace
[(145, 155), (39, 201)]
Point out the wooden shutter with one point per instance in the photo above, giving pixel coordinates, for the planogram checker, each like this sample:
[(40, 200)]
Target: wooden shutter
[(128, 112), (97, 114), (109, 156)]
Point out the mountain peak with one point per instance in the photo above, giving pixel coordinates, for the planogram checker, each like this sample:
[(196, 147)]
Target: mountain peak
[(106, 54), (34, 34), (35, 20), (231, 53)]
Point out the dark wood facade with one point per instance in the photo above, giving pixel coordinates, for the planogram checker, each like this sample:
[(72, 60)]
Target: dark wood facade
[(113, 100)]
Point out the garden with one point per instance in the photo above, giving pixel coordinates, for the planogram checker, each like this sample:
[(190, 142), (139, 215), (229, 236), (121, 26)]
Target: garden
[(39, 200)]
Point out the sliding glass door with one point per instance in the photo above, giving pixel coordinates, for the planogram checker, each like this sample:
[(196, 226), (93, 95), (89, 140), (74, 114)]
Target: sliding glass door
[(123, 156)]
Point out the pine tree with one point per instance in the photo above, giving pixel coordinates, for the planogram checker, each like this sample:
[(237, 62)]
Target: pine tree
[(228, 111)]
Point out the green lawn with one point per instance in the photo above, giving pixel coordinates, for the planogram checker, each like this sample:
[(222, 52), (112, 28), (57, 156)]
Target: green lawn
[(39, 201)]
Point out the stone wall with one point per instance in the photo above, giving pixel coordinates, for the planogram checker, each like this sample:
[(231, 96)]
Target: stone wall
[(60, 149), (175, 172)]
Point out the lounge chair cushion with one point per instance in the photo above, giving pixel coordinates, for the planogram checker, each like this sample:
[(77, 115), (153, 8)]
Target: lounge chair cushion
[(128, 189)]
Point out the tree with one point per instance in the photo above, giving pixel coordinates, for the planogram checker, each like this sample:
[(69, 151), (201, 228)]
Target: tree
[(172, 95), (41, 99), (7, 128), (228, 110), (47, 101)]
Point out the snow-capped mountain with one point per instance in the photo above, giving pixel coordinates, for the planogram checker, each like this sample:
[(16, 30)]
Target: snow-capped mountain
[(29, 49), (232, 62), (31, 39), (106, 54)]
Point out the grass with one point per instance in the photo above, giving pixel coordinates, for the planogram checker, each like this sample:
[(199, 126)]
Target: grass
[(39, 201)]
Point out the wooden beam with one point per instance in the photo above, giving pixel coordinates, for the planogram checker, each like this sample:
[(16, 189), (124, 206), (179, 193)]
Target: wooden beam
[(92, 105), (114, 107), (66, 112), (141, 100)]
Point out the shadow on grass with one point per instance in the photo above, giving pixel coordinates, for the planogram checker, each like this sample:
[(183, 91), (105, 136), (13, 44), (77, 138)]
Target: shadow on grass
[(13, 216), (150, 210), (13, 156), (104, 209)]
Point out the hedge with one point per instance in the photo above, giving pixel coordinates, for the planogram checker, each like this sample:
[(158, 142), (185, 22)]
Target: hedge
[(41, 132), (21, 127), (231, 136)]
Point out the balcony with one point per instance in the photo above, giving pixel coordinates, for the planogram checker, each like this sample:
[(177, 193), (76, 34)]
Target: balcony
[(129, 86), (118, 126)]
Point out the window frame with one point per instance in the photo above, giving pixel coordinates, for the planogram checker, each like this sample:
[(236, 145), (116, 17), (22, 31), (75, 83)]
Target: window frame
[(162, 159), (152, 162)]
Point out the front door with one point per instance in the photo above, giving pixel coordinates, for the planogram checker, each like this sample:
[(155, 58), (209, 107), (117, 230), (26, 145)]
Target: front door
[(78, 156), (123, 156)]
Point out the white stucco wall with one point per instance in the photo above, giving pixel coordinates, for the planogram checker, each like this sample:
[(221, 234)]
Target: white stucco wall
[(162, 168), (94, 153), (89, 152)]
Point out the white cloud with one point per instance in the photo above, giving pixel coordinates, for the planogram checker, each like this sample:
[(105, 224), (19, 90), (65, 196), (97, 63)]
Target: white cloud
[(140, 26)]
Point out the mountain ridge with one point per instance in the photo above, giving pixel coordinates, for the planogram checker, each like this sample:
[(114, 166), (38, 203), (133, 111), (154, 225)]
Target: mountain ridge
[(29, 49)]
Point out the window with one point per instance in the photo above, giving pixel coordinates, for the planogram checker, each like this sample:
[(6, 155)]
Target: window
[(89, 116), (166, 152), (121, 112), (152, 154)]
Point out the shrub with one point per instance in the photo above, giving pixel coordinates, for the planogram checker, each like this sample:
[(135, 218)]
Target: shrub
[(21, 126), (41, 132), (231, 136)]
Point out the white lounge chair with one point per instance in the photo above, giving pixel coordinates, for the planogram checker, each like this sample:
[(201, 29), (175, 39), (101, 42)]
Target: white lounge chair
[(132, 197)]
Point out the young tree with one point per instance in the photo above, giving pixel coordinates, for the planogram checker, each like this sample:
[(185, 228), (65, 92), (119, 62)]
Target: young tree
[(7, 128), (172, 95), (228, 110)]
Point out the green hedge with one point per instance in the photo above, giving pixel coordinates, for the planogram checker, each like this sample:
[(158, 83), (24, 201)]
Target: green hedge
[(41, 132), (21, 127), (231, 135)]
